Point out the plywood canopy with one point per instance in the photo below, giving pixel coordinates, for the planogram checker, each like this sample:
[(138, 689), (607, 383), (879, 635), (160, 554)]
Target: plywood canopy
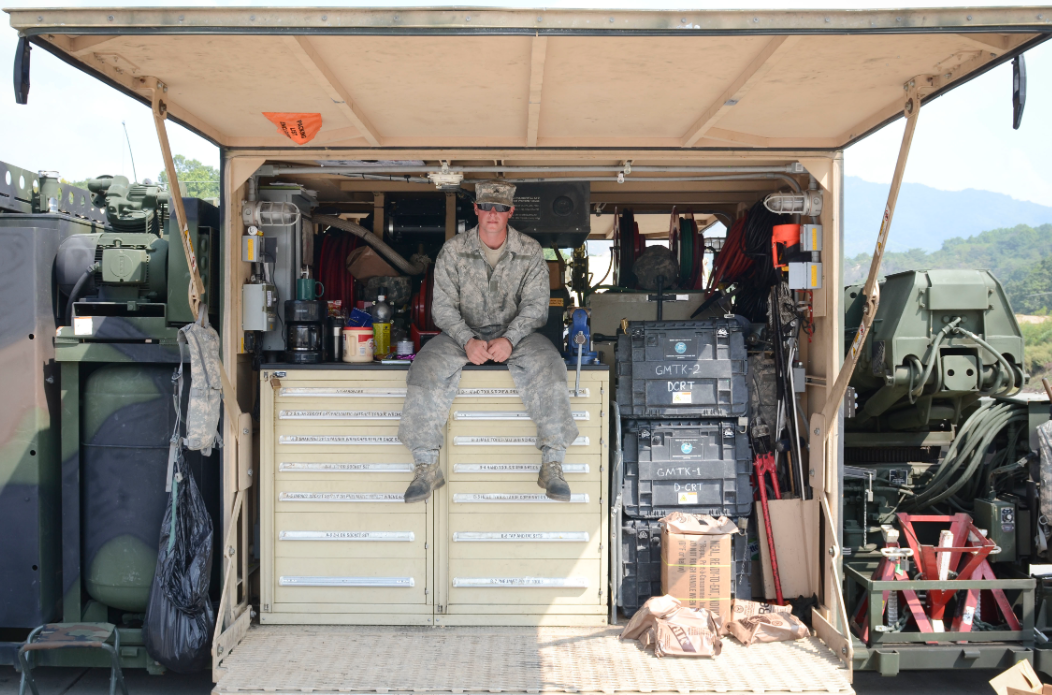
[(477, 79)]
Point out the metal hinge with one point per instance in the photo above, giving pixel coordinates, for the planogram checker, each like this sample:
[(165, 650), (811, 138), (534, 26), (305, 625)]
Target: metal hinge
[(266, 607), (426, 591), (425, 545)]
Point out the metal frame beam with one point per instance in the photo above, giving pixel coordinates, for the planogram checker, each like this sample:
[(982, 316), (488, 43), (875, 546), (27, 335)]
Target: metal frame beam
[(736, 91), (538, 52), (308, 57)]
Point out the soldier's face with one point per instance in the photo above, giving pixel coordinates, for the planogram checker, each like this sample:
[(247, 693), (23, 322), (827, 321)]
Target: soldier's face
[(493, 222)]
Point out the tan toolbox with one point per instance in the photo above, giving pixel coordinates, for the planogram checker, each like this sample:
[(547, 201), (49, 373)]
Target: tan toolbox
[(511, 555), (340, 546)]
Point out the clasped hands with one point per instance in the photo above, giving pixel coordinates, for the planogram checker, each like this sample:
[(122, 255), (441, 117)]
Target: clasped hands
[(479, 351)]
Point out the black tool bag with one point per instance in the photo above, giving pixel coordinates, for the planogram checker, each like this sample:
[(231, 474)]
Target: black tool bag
[(179, 621)]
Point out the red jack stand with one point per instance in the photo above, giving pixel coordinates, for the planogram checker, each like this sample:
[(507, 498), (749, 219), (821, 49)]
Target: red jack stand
[(935, 563), (967, 540)]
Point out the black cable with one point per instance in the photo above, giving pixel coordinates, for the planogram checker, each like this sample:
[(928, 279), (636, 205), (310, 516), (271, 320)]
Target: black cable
[(74, 295)]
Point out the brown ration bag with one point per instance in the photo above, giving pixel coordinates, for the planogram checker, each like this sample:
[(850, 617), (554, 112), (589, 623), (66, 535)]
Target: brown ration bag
[(670, 628), (773, 627), (743, 608)]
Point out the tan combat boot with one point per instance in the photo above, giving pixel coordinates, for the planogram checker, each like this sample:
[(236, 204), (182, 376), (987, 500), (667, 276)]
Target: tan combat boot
[(427, 477), (551, 479)]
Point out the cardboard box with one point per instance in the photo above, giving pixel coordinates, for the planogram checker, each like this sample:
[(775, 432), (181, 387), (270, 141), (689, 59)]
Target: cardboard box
[(697, 562), (1020, 680), (364, 263), (556, 275)]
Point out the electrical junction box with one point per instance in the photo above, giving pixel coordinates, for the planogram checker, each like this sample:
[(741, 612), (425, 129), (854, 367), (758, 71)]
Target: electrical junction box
[(252, 249), (805, 276), (810, 237), (998, 518), (258, 307)]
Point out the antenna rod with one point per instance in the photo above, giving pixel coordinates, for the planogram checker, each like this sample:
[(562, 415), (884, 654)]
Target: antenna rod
[(130, 153)]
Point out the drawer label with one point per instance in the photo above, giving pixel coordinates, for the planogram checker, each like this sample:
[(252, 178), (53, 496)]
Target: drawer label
[(520, 415), (340, 415), (401, 536), (335, 439), (341, 497), (342, 392), (401, 582), (507, 441), (514, 468), (520, 582), (512, 498), (288, 467), (505, 393), (522, 536)]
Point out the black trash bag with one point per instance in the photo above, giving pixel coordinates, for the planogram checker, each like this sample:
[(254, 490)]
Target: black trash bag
[(177, 631)]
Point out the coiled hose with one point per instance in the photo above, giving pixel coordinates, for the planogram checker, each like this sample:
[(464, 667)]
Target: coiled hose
[(965, 473)]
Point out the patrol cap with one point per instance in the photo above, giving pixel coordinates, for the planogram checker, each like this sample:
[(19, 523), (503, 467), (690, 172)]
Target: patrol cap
[(499, 192)]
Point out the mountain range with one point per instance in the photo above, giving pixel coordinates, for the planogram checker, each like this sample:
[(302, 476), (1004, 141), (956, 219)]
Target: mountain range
[(925, 217)]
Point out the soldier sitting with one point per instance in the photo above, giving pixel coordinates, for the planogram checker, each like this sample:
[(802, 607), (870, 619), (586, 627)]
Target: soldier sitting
[(491, 294)]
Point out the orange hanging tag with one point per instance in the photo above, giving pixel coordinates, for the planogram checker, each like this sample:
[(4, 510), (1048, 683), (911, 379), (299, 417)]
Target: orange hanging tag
[(298, 127)]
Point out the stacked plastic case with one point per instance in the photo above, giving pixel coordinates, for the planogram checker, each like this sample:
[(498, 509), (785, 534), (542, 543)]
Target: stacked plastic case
[(683, 398)]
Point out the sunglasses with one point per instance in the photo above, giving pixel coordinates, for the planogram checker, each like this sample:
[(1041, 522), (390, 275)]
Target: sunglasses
[(493, 207)]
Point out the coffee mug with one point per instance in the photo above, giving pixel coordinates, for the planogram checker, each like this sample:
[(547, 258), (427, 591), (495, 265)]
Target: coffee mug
[(309, 289)]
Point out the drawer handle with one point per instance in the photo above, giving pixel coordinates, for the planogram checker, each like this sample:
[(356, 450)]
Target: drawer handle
[(518, 415), (400, 582), (508, 441), (512, 498), (522, 536), (337, 440), (290, 467), (340, 415), (520, 583), (341, 497), (342, 392), (390, 536), (530, 468), (507, 393)]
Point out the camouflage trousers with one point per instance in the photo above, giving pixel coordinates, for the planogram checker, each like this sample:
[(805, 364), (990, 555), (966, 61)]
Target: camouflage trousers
[(539, 373)]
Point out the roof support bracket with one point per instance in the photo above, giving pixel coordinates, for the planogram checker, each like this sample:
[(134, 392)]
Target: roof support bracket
[(196, 289), (538, 52), (737, 89), (312, 62), (911, 105)]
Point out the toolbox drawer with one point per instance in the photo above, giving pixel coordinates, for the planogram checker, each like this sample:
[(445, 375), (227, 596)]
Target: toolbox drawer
[(520, 498), (503, 471), (331, 580), (530, 535), (381, 497), (351, 468), (304, 438), (524, 581), (338, 535)]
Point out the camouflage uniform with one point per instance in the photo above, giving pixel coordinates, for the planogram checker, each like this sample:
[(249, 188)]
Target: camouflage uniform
[(472, 300)]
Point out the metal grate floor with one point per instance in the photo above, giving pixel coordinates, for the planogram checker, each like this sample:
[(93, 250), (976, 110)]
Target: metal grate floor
[(588, 661)]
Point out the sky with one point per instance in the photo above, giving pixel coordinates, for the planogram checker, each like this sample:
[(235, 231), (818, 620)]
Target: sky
[(964, 139)]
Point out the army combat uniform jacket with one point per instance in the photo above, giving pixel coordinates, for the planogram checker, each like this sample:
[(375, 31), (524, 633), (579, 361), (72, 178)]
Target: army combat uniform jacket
[(473, 300)]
